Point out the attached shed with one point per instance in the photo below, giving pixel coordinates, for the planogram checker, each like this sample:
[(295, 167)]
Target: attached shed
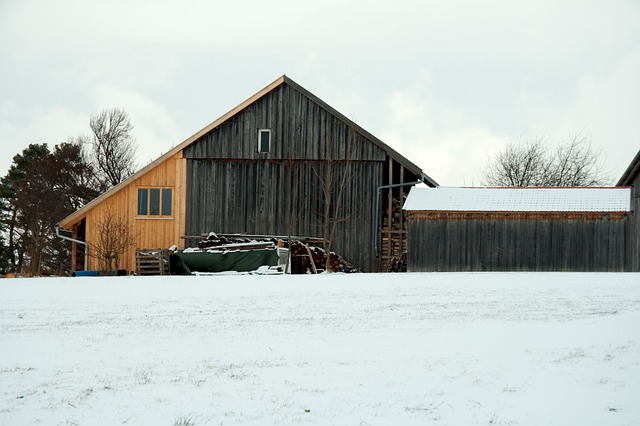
[(517, 229), (279, 163), (631, 178)]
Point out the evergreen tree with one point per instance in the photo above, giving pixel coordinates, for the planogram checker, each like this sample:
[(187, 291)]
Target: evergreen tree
[(4, 250), (41, 188)]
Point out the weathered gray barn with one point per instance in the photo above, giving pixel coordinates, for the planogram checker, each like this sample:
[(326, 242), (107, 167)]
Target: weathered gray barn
[(518, 229), (267, 166), (631, 178), (279, 163)]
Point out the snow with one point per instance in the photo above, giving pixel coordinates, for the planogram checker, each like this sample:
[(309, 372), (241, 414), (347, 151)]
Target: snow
[(520, 199), (355, 349)]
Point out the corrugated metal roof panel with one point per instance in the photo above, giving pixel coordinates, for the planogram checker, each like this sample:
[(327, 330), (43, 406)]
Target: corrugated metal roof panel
[(520, 199)]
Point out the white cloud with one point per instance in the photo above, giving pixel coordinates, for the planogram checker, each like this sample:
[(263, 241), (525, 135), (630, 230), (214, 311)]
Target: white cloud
[(36, 125), (610, 103), (448, 145)]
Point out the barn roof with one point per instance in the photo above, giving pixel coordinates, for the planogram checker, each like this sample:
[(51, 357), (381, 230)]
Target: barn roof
[(74, 217), (519, 199), (631, 173)]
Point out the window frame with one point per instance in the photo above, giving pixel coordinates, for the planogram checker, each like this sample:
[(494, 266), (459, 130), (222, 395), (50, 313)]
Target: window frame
[(143, 201), (260, 142), (162, 193)]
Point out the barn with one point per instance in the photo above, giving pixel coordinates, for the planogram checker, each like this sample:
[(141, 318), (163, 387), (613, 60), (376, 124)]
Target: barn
[(518, 229), (283, 162), (631, 178)]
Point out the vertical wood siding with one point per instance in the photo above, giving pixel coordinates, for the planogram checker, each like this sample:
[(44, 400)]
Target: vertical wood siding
[(516, 245), (283, 198), (234, 188), (150, 232), (633, 227)]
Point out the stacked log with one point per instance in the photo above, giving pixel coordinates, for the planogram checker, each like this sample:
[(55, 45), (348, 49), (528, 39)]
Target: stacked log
[(214, 241), (322, 262)]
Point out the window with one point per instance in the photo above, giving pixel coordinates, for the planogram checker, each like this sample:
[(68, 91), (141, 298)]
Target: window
[(264, 140), (154, 201), (166, 202), (143, 201)]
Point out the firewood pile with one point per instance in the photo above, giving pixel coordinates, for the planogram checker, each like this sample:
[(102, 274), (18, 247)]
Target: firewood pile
[(214, 242), (312, 259)]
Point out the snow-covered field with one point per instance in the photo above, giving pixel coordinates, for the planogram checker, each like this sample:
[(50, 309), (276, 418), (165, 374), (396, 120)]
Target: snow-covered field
[(362, 349)]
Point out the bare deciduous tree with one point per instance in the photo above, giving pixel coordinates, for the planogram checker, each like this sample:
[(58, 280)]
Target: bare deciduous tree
[(520, 164), (115, 236), (576, 163), (333, 181), (113, 148), (532, 163)]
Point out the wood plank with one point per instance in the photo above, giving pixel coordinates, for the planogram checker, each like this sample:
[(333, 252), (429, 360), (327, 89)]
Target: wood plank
[(564, 245)]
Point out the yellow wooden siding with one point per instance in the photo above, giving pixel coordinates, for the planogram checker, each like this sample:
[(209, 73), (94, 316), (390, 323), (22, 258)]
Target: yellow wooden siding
[(150, 232)]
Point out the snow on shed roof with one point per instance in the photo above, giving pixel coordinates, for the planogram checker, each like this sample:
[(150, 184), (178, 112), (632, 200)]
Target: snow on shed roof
[(520, 199)]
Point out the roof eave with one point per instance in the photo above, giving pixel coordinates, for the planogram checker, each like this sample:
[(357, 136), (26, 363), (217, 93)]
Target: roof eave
[(631, 173)]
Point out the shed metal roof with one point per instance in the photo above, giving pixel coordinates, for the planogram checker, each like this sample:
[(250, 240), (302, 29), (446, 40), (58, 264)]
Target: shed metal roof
[(520, 199)]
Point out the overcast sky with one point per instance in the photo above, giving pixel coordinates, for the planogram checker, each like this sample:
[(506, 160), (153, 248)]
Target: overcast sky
[(445, 83)]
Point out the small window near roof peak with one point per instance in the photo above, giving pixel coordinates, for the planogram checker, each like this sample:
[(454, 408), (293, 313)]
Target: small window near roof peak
[(264, 140)]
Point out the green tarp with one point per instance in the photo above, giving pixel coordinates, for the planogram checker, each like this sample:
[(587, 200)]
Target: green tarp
[(240, 261)]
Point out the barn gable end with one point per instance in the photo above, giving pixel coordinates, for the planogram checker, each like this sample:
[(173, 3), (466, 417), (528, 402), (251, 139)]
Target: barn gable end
[(233, 187)]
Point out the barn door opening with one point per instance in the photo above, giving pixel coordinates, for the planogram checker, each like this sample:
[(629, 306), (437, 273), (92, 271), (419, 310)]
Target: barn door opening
[(77, 250)]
